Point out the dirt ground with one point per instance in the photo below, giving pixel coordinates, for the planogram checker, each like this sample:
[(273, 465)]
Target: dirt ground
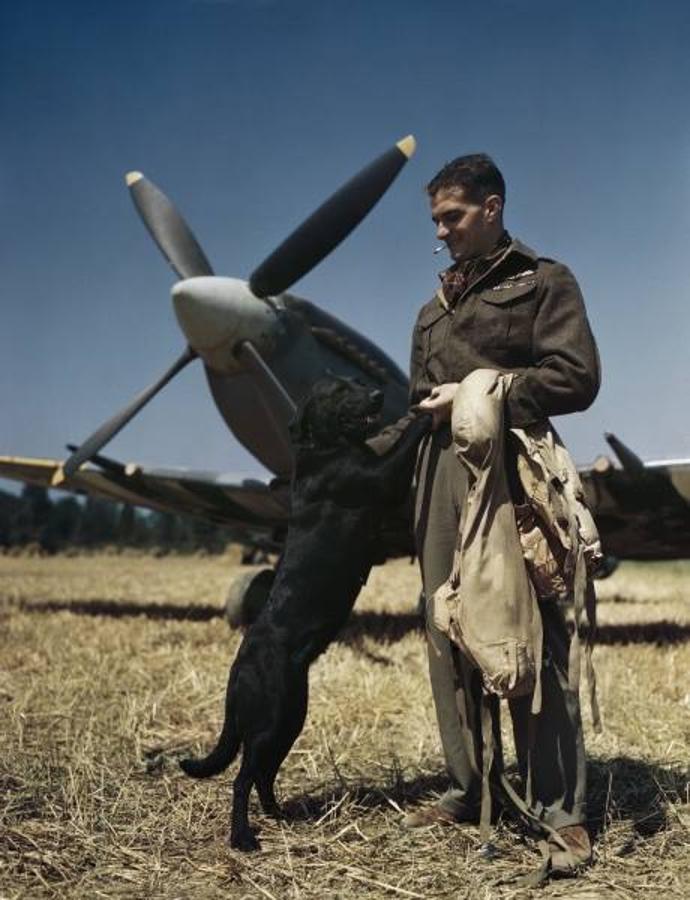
[(112, 667)]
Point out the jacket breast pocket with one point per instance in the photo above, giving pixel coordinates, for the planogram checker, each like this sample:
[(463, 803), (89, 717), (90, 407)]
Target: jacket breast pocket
[(508, 311), (431, 330)]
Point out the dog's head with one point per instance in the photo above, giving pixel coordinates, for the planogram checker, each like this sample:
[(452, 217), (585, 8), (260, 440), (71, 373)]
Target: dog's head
[(337, 410)]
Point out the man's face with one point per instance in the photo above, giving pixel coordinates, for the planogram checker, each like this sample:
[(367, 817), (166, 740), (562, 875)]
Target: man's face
[(467, 228)]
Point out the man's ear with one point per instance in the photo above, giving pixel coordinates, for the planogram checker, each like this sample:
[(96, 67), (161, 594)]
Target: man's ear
[(493, 209)]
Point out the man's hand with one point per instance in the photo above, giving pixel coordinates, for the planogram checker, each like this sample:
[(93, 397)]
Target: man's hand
[(439, 403)]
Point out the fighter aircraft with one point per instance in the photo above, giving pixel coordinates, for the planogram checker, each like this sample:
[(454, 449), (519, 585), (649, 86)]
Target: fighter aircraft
[(263, 347)]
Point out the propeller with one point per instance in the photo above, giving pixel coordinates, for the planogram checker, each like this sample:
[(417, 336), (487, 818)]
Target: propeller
[(314, 239)]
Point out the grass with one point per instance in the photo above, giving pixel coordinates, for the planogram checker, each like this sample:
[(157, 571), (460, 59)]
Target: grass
[(112, 667)]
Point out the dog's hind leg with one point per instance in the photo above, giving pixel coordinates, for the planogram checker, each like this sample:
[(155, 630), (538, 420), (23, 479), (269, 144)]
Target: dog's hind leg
[(287, 730), (267, 770), (242, 835), (266, 792), (274, 751)]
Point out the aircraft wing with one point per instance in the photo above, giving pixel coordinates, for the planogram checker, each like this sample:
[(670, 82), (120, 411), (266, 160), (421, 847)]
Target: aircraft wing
[(642, 510), (254, 512)]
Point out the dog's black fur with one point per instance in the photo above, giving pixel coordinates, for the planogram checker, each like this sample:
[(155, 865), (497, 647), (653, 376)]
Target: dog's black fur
[(339, 490)]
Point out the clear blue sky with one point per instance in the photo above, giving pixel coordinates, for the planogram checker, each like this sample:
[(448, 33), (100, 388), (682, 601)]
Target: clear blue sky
[(250, 112)]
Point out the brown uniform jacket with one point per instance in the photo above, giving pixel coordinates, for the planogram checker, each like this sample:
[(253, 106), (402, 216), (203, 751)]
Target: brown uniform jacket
[(524, 315)]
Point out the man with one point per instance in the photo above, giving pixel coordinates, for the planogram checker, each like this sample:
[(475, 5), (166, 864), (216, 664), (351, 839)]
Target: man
[(499, 306)]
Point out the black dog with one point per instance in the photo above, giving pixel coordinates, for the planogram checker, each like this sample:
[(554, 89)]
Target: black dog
[(338, 490)]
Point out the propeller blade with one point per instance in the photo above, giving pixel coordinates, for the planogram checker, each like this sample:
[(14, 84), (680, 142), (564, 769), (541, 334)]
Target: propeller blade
[(280, 398), (243, 406), (167, 227), (277, 403), (109, 429), (103, 462), (330, 224)]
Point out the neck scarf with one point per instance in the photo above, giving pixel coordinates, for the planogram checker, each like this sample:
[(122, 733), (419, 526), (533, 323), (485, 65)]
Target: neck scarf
[(456, 279)]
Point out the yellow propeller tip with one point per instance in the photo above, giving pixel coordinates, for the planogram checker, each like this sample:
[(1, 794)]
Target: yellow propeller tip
[(407, 145), (132, 178)]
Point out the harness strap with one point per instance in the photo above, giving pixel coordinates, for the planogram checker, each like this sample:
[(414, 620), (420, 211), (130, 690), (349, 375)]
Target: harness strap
[(498, 780), (591, 607), (578, 605), (538, 650), (487, 763), (549, 835), (584, 600)]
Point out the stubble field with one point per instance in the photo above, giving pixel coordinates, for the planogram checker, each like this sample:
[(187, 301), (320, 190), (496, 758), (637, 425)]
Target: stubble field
[(113, 667)]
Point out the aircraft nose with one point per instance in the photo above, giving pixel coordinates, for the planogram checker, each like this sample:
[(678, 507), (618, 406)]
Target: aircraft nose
[(217, 314)]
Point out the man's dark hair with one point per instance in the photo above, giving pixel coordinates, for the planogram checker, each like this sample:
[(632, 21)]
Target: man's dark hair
[(477, 174)]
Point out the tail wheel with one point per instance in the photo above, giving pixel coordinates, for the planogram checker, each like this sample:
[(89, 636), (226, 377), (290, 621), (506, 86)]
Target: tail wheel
[(247, 596)]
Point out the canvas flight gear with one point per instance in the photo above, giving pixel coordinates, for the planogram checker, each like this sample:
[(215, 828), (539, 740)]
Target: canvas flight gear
[(507, 559), (563, 549), (488, 606)]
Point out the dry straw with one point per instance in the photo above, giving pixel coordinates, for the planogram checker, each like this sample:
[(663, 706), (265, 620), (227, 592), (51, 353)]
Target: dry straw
[(111, 668)]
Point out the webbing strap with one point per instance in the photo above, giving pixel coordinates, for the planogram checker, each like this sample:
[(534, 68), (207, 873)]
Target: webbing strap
[(538, 650), (579, 585), (502, 785), (584, 600), (487, 763), (531, 737), (550, 836), (591, 607)]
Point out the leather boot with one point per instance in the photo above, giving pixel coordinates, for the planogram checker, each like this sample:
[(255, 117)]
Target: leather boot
[(578, 854)]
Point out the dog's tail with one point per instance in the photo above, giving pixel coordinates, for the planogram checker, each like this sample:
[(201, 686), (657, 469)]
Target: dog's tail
[(223, 753)]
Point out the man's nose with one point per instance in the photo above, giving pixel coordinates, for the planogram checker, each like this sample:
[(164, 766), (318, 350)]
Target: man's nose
[(441, 231)]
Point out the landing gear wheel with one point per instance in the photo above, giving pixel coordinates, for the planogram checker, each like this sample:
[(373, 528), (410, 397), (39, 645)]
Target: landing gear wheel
[(247, 596)]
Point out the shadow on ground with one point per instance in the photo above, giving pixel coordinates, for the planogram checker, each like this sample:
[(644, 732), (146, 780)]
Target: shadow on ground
[(306, 807), (117, 609), (631, 789), (381, 627), (619, 789)]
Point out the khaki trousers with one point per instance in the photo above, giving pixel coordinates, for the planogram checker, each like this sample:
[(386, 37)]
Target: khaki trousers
[(558, 775)]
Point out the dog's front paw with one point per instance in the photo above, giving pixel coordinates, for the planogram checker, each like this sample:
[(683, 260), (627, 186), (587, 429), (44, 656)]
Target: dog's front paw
[(243, 839)]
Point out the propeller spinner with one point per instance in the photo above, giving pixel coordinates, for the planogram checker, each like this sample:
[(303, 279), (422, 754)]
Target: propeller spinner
[(228, 322)]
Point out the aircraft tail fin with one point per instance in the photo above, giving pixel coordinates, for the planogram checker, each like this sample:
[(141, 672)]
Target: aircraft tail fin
[(630, 461)]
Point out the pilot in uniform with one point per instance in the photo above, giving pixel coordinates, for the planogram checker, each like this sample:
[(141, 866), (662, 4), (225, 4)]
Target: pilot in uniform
[(499, 306)]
